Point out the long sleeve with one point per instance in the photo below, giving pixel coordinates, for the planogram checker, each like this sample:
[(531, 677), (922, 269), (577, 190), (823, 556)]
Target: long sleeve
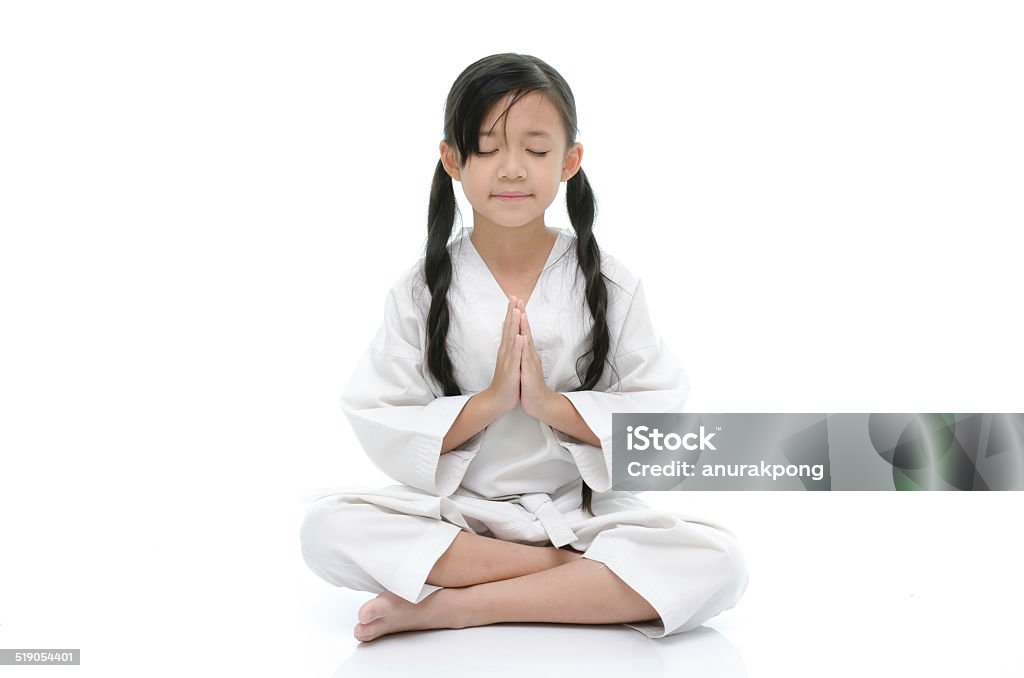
[(652, 380), (397, 418)]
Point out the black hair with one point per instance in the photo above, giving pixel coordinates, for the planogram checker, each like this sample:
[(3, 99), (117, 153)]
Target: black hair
[(477, 90)]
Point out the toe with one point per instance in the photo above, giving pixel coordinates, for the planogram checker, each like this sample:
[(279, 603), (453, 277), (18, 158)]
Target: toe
[(369, 611), (363, 633)]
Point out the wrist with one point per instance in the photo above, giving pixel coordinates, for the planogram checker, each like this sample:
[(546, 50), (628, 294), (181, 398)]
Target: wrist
[(491, 404), (549, 407)]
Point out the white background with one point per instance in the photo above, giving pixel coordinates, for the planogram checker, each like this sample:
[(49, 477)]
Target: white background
[(203, 205)]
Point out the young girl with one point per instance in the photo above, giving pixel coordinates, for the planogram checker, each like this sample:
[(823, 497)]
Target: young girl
[(488, 395)]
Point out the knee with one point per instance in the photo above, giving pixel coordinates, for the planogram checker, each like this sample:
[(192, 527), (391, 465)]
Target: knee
[(323, 536), (314, 530)]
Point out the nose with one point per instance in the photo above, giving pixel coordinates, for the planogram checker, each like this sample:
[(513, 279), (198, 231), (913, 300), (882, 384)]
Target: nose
[(511, 166)]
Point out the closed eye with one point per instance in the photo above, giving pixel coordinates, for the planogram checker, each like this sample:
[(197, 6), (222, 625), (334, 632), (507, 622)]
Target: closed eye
[(537, 153)]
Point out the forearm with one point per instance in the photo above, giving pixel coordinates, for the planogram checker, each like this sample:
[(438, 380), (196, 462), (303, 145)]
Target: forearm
[(477, 414), (561, 414)]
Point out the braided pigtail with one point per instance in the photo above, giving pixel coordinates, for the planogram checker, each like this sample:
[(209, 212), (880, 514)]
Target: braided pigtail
[(582, 208), (437, 271)]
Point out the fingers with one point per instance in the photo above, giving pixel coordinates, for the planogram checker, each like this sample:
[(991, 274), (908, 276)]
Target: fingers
[(508, 314), (511, 338), (515, 325), (515, 355), (511, 325)]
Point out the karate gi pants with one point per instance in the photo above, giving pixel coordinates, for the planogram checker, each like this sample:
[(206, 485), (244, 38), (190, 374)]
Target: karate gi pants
[(389, 539)]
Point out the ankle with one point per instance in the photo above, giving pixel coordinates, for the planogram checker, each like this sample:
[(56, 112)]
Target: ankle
[(462, 607)]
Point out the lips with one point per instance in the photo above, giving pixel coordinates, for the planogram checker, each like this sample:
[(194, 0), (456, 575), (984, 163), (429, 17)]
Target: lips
[(512, 197)]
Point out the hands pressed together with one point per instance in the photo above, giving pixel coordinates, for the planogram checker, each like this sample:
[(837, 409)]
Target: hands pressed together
[(518, 375)]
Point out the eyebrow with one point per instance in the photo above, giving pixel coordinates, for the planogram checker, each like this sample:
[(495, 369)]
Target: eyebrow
[(531, 133)]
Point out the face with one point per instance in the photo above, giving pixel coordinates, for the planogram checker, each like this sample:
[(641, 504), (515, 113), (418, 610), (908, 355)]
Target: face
[(512, 184)]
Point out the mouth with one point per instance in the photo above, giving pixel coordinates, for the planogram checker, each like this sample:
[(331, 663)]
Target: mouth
[(512, 197)]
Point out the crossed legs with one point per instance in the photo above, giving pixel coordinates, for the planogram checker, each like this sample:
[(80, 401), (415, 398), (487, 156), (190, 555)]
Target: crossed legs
[(490, 581)]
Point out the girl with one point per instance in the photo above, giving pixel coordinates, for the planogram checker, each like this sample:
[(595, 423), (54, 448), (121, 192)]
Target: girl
[(488, 395)]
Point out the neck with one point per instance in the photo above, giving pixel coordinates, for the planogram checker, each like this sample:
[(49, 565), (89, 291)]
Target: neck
[(512, 249)]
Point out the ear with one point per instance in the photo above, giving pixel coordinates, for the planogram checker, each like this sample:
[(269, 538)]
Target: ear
[(450, 160), (573, 159)]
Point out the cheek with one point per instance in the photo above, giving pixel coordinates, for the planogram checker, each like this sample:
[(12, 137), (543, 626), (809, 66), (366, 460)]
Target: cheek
[(482, 189), (552, 177), (472, 183)]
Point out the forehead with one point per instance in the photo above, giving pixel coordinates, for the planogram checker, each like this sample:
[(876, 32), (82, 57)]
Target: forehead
[(532, 115)]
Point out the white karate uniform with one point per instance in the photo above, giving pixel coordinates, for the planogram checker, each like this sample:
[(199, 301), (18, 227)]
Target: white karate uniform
[(518, 479)]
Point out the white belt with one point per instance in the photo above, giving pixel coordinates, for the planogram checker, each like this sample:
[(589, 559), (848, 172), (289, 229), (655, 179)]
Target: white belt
[(554, 522)]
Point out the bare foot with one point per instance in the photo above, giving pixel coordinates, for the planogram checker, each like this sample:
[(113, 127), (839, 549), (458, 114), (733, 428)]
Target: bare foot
[(387, 613)]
